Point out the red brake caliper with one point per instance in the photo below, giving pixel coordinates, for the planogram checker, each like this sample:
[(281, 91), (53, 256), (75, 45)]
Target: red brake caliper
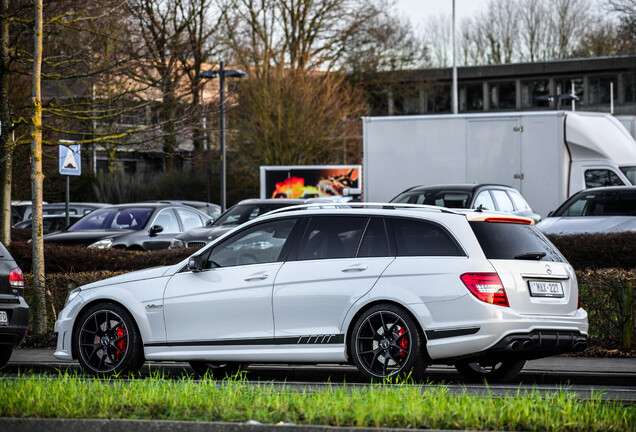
[(121, 331), (404, 343)]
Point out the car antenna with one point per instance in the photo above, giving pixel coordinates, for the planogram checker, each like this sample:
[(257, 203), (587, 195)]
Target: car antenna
[(480, 209)]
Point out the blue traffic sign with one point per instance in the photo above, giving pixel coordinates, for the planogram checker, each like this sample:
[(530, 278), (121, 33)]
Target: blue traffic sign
[(70, 162)]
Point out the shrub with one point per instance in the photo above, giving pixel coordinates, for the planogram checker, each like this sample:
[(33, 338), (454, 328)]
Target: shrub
[(596, 251)]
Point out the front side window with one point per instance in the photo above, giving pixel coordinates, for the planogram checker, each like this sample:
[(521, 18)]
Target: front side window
[(517, 199), (168, 221), (601, 177), (608, 203), (503, 201), (262, 243), (485, 200), (332, 237), (630, 173), (189, 219), (421, 238)]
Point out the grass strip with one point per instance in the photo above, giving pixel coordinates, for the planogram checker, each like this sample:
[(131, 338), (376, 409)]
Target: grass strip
[(236, 400)]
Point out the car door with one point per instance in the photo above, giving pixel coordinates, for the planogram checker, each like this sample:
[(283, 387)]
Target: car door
[(230, 301), (339, 259), (166, 219)]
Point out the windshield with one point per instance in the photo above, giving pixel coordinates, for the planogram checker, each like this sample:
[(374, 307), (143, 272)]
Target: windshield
[(514, 241), (443, 198), (133, 218), (241, 213), (604, 203), (630, 173)]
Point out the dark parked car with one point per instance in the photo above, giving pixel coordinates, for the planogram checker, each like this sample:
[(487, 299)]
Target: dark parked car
[(598, 210), (50, 223), (236, 215), (490, 197), (141, 226), (14, 312)]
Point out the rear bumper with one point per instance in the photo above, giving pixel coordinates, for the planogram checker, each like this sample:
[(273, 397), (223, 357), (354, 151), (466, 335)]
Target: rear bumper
[(540, 343), (18, 313)]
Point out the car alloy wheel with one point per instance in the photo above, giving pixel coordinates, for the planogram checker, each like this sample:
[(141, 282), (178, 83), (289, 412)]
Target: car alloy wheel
[(107, 341), (387, 343), (217, 370), (494, 372)]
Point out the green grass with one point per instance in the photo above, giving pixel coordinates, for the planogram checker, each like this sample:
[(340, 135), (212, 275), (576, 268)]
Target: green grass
[(403, 406)]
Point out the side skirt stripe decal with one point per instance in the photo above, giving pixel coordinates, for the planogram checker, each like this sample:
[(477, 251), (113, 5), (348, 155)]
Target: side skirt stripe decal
[(293, 340)]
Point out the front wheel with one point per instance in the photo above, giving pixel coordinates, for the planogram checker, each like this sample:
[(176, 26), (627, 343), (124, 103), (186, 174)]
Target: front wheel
[(493, 372), (218, 370), (107, 341), (386, 343)]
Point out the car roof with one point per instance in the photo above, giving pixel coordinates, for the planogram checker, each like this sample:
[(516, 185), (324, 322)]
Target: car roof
[(629, 189), (257, 201), (464, 187)]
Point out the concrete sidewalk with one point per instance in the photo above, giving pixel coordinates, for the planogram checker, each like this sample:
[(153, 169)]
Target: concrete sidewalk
[(582, 370)]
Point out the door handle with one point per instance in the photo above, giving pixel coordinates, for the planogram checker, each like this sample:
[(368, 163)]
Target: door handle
[(357, 267), (260, 276)]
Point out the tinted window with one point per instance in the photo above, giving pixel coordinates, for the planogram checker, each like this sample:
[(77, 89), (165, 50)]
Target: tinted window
[(419, 238), (608, 203), (123, 218), (510, 240), (484, 199), (601, 177), (239, 214), (258, 244), (375, 242), (332, 237)]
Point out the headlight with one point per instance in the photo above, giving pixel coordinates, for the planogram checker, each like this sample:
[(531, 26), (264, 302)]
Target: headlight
[(72, 295), (102, 244), (177, 244)]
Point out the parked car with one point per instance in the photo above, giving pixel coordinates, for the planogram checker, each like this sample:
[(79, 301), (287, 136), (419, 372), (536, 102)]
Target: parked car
[(387, 288), (598, 210), (212, 210), (75, 208), (18, 208), (50, 223), (491, 197), (142, 226), (14, 311), (236, 215)]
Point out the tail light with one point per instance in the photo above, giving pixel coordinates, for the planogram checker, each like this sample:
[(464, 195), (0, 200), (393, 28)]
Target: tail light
[(487, 287), (16, 280)]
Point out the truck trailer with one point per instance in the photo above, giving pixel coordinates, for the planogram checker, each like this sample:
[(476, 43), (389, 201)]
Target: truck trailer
[(546, 155)]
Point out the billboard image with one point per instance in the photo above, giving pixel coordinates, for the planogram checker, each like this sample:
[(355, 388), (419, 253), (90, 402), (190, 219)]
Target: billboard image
[(308, 181)]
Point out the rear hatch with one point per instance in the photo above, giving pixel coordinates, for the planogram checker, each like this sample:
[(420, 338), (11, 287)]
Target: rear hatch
[(536, 277)]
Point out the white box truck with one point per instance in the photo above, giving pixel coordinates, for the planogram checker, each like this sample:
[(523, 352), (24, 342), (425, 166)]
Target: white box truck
[(547, 155)]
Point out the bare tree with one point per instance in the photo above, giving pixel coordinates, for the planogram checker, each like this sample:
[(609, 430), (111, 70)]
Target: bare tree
[(438, 30), (568, 21), (534, 29)]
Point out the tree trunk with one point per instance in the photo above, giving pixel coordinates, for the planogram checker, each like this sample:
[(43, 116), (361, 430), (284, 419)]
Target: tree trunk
[(6, 143), (37, 177)]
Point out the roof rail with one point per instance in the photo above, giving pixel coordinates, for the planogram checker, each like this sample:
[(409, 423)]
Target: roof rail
[(348, 205)]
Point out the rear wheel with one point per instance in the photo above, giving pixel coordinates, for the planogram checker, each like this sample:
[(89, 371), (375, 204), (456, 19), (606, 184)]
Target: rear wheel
[(218, 370), (386, 342), (494, 372), (107, 341), (5, 354)]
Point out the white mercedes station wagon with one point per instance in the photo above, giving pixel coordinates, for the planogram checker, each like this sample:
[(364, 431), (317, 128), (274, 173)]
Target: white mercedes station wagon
[(390, 288)]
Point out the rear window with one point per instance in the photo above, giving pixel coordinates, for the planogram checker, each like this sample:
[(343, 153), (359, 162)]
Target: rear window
[(501, 240)]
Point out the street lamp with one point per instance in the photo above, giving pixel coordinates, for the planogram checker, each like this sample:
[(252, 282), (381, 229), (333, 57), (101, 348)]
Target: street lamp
[(221, 73)]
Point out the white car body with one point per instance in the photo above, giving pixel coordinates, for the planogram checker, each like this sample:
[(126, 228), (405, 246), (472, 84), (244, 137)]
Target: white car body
[(305, 310)]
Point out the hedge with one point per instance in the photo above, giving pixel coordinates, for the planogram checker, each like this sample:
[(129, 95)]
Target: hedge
[(596, 251), (604, 295)]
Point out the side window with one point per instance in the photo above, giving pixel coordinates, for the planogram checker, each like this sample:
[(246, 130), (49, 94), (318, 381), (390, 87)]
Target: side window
[(484, 199), (262, 243), (503, 201), (517, 199), (375, 242), (168, 221), (189, 219), (601, 177), (331, 237), (420, 238)]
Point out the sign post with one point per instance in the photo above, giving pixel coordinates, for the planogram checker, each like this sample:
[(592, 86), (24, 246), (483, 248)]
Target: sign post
[(70, 164)]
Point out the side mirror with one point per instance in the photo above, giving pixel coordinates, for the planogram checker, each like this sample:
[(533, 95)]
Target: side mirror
[(155, 229), (195, 263)]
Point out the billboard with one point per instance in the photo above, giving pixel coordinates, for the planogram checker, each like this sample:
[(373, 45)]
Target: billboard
[(308, 181)]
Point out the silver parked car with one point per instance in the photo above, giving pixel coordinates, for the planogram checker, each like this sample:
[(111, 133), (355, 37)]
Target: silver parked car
[(598, 210)]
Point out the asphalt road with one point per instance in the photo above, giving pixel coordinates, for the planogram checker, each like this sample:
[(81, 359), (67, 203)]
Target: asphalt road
[(611, 378)]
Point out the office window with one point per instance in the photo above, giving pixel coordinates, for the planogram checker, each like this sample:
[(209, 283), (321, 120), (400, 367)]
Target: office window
[(629, 84), (406, 100), (503, 95), (533, 89), (599, 88), (564, 86), (439, 99), (472, 97)]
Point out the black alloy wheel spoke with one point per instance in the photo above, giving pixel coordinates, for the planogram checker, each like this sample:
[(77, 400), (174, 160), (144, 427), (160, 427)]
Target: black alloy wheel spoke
[(384, 327), (101, 361), (108, 328)]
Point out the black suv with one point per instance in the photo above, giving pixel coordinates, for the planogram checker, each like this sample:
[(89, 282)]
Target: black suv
[(14, 312)]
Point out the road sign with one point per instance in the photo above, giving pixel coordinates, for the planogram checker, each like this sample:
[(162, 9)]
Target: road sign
[(70, 160)]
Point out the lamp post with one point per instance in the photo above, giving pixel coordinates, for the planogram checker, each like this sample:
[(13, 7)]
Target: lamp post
[(221, 73)]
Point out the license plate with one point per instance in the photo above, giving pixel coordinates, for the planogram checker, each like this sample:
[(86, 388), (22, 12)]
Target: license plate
[(546, 289), (4, 318)]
